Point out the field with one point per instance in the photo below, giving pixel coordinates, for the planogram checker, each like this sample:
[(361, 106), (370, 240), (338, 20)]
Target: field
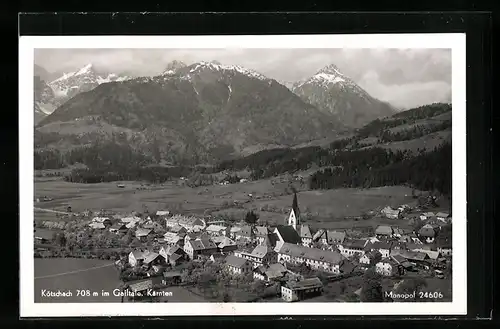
[(270, 201), (72, 274)]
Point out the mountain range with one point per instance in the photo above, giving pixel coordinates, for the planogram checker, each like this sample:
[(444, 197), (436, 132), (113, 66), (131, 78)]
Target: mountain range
[(203, 112)]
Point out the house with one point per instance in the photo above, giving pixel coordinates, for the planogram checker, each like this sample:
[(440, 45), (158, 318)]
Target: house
[(215, 230), (130, 219), (173, 239), (136, 257), (353, 247), (162, 213), (334, 238), (204, 247), (177, 229), (171, 278), (151, 258), (97, 226), (261, 233), (383, 231), (270, 240), (189, 223), (383, 247), (140, 288), (260, 255), (346, 267), (444, 248), (104, 220), (427, 215), (233, 232), (142, 234), (427, 233), (305, 235), (389, 267), (391, 213), (298, 290), (246, 233), (269, 272), (238, 265), (286, 234), (418, 258), (151, 225), (367, 258), (224, 244), (328, 261), (443, 216), (44, 236), (174, 255), (432, 254), (118, 228)]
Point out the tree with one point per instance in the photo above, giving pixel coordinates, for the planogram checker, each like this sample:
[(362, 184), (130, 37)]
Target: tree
[(377, 257), (371, 291), (410, 286), (59, 239), (251, 218)]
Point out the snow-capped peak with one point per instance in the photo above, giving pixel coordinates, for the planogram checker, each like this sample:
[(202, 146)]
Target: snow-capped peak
[(173, 66), (330, 69), (86, 69), (217, 66), (328, 76)]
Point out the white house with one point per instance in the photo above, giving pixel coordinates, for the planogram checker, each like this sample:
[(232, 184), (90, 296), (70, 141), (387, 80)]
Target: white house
[(352, 247), (238, 265), (328, 261), (301, 289)]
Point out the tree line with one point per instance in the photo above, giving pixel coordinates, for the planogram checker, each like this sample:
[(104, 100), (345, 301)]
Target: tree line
[(426, 171)]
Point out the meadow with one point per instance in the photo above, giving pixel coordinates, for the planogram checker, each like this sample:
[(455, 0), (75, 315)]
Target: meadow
[(271, 201), (72, 274)]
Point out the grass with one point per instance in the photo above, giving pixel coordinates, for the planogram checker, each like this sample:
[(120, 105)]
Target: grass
[(104, 278), (328, 207)]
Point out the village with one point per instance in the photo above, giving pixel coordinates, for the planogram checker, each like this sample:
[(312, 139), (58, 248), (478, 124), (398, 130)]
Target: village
[(288, 262)]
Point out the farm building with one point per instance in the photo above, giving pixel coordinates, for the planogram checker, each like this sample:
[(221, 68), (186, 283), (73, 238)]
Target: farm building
[(270, 272), (298, 290), (384, 231), (260, 255), (203, 247)]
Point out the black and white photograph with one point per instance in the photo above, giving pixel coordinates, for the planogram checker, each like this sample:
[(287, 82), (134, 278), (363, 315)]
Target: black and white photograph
[(244, 177)]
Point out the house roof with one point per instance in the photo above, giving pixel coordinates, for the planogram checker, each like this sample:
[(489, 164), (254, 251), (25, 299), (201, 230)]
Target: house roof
[(150, 256), (97, 225), (235, 229), (130, 219), (171, 274), (384, 230), (356, 243), (162, 213), (202, 244), (412, 255), (381, 245), (260, 251), (223, 241), (235, 261), (177, 229), (304, 231), (332, 236), (318, 234), (261, 231), (142, 232), (332, 257), (305, 284), (137, 254), (270, 240), (442, 214), (141, 285), (431, 253), (288, 234), (216, 228), (246, 231), (100, 219), (117, 226), (428, 214), (427, 231)]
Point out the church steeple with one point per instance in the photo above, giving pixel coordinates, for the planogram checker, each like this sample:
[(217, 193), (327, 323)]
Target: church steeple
[(294, 217)]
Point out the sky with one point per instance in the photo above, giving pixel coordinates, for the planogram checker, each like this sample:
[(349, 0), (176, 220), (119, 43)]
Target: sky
[(405, 78)]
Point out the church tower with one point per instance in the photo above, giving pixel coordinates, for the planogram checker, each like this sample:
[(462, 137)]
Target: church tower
[(294, 217)]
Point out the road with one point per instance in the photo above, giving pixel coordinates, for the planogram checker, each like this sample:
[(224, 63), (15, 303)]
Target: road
[(53, 211)]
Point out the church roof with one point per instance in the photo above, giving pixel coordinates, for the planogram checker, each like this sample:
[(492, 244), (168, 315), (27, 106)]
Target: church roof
[(295, 205)]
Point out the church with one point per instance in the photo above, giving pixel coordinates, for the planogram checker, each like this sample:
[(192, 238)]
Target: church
[(301, 233)]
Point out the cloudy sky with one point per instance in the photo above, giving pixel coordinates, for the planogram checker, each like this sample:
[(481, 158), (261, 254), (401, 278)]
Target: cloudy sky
[(404, 77)]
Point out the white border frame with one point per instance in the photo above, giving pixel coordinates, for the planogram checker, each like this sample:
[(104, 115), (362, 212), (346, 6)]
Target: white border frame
[(27, 44)]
